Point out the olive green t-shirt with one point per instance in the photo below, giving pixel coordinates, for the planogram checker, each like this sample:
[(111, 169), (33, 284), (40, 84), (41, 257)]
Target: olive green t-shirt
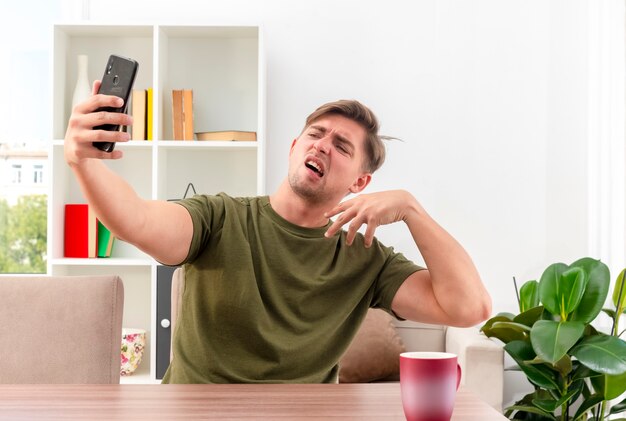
[(267, 301)]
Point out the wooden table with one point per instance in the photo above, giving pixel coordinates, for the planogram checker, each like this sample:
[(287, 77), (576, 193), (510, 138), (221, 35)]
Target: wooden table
[(221, 402)]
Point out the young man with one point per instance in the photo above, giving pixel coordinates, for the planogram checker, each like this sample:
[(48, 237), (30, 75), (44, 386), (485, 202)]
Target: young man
[(275, 290)]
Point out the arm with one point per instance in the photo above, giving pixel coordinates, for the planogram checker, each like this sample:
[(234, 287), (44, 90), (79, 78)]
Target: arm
[(450, 292), (159, 228)]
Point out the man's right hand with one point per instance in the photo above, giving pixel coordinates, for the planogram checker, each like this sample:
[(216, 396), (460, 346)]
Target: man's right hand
[(80, 134)]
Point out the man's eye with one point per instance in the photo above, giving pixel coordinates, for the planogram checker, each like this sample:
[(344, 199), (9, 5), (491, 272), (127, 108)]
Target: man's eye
[(314, 134), (342, 148)]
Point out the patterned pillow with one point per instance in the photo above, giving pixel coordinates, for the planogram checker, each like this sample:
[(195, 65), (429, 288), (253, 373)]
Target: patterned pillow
[(374, 352)]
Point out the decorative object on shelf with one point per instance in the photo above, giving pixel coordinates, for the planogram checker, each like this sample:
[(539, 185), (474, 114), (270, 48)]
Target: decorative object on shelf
[(561, 353), (229, 135), (189, 186), (133, 344), (82, 89)]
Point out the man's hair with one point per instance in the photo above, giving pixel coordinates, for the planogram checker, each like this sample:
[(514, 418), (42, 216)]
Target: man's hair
[(355, 111)]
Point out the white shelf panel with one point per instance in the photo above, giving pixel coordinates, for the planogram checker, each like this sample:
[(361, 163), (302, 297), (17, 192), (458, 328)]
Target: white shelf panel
[(108, 261), (217, 145)]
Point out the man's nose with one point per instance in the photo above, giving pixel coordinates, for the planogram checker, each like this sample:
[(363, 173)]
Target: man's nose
[(322, 144)]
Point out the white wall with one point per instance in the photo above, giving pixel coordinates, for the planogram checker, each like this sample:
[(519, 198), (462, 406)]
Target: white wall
[(490, 97)]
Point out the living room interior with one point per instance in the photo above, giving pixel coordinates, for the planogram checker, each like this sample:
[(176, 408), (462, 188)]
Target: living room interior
[(508, 121)]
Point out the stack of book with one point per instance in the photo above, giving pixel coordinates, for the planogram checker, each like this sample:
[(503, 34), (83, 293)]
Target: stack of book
[(85, 235), (228, 135)]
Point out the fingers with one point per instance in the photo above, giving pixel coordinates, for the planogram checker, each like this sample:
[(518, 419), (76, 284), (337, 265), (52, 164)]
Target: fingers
[(100, 118), (96, 86), (98, 101), (341, 220)]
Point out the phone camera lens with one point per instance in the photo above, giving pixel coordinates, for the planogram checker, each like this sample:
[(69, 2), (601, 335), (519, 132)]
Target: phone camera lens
[(109, 69)]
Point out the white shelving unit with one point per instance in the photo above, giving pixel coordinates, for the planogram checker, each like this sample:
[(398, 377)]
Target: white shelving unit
[(225, 67)]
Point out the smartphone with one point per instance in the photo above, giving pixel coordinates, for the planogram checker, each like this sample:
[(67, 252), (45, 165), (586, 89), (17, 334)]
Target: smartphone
[(118, 79)]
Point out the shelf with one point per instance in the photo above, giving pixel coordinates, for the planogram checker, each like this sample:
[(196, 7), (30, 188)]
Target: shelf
[(217, 145), (108, 261), (224, 65)]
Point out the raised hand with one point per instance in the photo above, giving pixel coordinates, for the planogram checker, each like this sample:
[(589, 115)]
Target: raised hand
[(374, 210), (80, 133)]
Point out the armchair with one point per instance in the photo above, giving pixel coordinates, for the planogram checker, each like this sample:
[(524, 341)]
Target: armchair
[(60, 329)]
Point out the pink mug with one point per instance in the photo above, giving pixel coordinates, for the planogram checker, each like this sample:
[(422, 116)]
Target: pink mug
[(428, 382)]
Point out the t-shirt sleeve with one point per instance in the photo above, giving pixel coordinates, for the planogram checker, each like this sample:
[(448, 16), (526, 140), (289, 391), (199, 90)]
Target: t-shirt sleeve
[(393, 274), (207, 215)]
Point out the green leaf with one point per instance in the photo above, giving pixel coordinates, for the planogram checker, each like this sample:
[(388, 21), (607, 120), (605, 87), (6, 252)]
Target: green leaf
[(611, 386), (547, 405), (541, 376), (571, 287), (549, 287), (518, 327), (582, 372), (529, 296), (505, 333), (587, 404), (506, 315), (493, 320), (609, 312), (532, 410), (596, 291), (551, 340), (616, 291), (550, 405), (617, 408), (529, 317), (564, 365), (604, 354)]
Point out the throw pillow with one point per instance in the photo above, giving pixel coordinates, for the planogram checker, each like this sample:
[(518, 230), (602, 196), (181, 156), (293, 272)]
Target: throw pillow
[(374, 352)]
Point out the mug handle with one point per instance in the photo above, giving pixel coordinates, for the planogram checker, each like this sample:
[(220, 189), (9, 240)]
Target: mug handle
[(458, 376)]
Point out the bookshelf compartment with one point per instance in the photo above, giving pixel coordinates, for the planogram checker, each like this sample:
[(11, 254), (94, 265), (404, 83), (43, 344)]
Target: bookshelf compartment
[(97, 42), (220, 65), (211, 171)]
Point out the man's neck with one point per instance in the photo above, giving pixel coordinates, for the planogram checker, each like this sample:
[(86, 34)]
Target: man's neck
[(297, 210)]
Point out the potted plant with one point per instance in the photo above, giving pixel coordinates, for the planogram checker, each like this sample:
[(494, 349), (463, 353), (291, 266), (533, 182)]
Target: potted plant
[(575, 369)]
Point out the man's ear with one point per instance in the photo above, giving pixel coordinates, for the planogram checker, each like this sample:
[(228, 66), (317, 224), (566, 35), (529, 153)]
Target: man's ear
[(360, 183), (292, 145)]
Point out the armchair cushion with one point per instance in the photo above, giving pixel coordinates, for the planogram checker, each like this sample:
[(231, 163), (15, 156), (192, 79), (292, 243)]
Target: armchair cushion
[(374, 351)]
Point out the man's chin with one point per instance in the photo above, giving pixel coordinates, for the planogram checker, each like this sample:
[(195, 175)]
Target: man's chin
[(308, 193)]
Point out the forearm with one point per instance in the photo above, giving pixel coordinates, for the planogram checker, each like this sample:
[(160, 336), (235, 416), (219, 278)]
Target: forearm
[(456, 284), (113, 200)]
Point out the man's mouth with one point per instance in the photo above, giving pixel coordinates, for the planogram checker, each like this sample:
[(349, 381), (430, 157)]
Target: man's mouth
[(315, 167)]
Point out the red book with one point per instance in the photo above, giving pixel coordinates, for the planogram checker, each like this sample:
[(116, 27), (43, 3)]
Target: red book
[(81, 231)]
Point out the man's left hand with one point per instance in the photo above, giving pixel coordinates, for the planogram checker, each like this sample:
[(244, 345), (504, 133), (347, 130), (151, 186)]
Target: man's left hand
[(372, 209)]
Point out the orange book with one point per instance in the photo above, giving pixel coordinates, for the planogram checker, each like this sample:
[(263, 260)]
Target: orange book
[(187, 114), (177, 114), (81, 231), (139, 105)]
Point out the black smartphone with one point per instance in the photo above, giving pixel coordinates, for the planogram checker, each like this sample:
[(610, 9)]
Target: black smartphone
[(119, 77)]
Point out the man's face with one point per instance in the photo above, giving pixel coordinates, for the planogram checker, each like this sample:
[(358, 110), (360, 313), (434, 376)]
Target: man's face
[(325, 162)]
